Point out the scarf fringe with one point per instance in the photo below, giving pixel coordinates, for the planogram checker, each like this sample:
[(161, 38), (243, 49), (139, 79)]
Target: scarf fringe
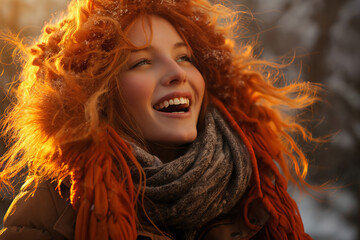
[(104, 193), (270, 187)]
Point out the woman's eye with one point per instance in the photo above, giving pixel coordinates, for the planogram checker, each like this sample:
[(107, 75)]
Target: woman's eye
[(141, 63), (184, 58)]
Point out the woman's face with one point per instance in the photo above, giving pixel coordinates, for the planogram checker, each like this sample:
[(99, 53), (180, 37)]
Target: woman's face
[(161, 87)]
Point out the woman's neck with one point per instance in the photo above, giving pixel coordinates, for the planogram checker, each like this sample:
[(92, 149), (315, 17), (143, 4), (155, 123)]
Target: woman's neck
[(167, 153)]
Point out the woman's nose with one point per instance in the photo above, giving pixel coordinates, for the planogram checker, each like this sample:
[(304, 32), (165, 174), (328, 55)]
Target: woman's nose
[(173, 73)]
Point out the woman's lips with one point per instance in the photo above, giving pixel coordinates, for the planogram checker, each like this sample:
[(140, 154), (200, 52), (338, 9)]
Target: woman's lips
[(174, 102)]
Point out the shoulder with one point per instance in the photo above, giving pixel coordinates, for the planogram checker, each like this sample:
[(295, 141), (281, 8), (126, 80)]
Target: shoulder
[(39, 213)]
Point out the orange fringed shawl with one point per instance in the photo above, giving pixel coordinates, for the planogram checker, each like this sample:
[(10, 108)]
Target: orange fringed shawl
[(104, 193)]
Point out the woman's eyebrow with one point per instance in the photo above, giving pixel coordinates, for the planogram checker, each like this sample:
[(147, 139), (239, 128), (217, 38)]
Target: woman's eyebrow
[(141, 49), (180, 44), (149, 48)]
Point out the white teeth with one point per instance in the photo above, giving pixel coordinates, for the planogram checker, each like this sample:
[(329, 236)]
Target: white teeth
[(183, 101), (174, 101)]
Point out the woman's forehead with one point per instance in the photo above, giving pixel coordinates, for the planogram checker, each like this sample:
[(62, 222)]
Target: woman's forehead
[(152, 30)]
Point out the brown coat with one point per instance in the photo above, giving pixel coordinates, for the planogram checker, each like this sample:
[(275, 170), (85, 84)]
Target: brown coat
[(43, 216), (46, 215)]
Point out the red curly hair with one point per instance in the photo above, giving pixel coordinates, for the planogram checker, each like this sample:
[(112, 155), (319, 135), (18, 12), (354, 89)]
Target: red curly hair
[(68, 100)]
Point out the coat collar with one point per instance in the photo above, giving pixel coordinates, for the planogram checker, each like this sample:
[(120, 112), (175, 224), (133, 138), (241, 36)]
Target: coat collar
[(65, 225)]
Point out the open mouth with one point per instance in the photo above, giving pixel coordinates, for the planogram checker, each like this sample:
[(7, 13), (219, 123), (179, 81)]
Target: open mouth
[(174, 105)]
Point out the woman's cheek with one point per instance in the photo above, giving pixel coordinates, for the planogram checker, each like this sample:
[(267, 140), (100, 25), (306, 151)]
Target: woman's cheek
[(136, 88)]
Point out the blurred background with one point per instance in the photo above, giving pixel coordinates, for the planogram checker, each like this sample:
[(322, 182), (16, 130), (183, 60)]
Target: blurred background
[(325, 37)]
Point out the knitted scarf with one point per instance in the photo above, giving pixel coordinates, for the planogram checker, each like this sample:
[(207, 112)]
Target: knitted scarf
[(270, 187), (205, 182), (215, 167)]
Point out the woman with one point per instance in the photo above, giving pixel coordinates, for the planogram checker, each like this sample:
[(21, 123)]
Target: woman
[(138, 119)]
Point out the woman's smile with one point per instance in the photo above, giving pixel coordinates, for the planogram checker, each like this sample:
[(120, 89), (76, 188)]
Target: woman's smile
[(174, 102)]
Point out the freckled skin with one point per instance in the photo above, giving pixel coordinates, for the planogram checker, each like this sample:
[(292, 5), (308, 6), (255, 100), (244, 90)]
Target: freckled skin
[(163, 68)]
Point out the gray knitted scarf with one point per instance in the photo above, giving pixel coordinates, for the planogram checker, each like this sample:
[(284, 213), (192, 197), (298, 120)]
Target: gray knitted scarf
[(204, 183)]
